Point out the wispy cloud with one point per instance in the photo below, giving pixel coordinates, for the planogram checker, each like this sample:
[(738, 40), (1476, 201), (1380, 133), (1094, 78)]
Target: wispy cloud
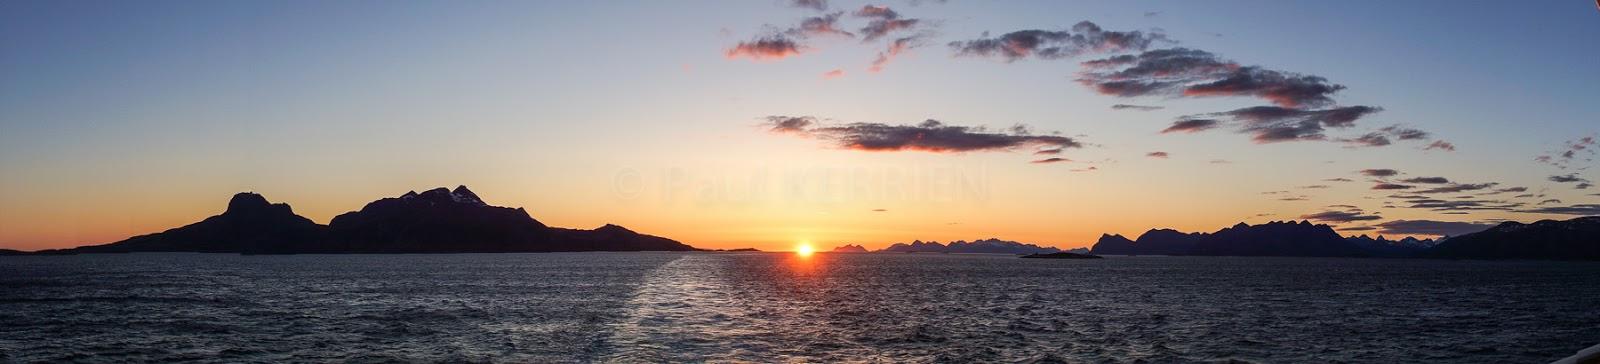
[(1084, 38), (1378, 172), (820, 25), (1461, 187), (895, 48), (1340, 216), (1391, 186), (1191, 126), (1568, 178), (1440, 145), (1136, 107), (1427, 180), (928, 136), (818, 5), (1579, 209), (1185, 72), (1162, 155), (770, 47), (883, 21)]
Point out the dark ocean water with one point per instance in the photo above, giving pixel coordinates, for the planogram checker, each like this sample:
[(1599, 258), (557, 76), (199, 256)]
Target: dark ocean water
[(692, 307)]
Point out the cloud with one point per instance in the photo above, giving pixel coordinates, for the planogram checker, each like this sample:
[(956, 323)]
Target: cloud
[(1547, 202), (1191, 126), (820, 25), (1367, 140), (1340, 216), (818, 5), (1220, 161), (1185, 72), (1422, 202), (1283, 89), (1405, 133), (1506, 190), (1455, 188), (880, 210), (1090, 169), (898, 46), (1569, 151), (1379, 172), (1084, 38), (1427, 180), (1050, 151), (1136, 107), (1271, 124), (1441, 145), (1051, 160), (1430, 227), (1568, 179), (835, 73), (1317, 187), (770, 47), (790, 124), (1156, 155), (1583, 185), (1579, 209), (884, 21), (928, 136), (1340, 179), (1390, 186), (1385, 135)]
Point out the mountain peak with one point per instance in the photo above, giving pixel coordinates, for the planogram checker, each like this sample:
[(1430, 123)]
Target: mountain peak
[(248, 202), (463, 195), (613, 228)]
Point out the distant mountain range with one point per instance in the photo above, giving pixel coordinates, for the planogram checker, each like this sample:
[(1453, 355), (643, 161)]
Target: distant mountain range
[(1277, 238), (984, 246), (435, 221), (1576, 239), (458, 221)]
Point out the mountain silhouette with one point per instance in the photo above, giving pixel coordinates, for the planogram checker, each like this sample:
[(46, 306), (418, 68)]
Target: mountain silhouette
[(1114, 244), (1575, 239), (1277, 238), (848, 248), (984, 246), (1153, 242), (434, 221), (250, 224), (1383, 247)]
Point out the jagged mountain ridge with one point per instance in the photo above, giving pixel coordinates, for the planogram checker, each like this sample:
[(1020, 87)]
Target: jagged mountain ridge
[(1277, 238), (1574, 239), (983, 246)]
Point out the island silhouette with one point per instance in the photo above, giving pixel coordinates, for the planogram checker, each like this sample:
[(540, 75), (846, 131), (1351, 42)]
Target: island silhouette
[(434, 221)]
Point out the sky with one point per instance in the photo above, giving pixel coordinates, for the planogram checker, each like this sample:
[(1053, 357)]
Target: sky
[(732, 124)]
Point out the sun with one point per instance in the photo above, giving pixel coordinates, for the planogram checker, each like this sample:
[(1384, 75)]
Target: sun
[(804, 249)]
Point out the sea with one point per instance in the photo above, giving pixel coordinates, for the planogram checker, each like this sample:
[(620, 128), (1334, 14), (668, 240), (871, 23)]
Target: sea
[(658, 307)]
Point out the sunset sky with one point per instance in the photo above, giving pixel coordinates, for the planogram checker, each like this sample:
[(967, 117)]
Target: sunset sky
[(765, 123)]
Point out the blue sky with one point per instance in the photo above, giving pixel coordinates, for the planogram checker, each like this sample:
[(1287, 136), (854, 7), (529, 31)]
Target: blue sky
[(120, 118)]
